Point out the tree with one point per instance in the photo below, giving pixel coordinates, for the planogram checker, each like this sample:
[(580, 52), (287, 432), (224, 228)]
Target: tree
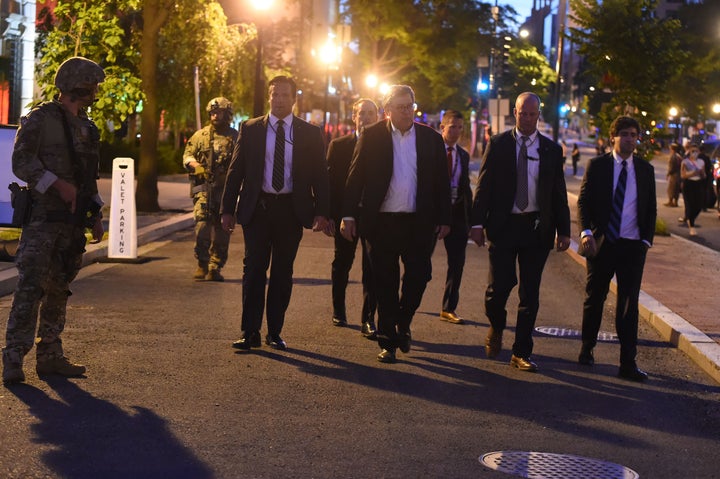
[(431, 45), (528, 71), (616, 38), (137, 42)]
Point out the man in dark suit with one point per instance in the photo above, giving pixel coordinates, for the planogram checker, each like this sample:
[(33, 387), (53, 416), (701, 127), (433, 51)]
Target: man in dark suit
[(276, 185), (617, 209), (520, 204), (451, 127), (399, 174), (340, 151)]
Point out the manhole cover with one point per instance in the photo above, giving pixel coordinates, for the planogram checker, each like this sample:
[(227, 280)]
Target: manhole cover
[(574, 333), (543, 465)]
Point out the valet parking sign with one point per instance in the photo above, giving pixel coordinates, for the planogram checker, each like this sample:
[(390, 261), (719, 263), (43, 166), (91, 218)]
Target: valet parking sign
[(122, 235)]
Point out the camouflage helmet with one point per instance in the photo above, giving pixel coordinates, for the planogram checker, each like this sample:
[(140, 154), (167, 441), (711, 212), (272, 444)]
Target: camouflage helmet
[(220, 103), (78, 72)]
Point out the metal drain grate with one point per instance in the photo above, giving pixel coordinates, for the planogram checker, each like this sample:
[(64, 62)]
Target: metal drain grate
[(543, 465), (574, 333)]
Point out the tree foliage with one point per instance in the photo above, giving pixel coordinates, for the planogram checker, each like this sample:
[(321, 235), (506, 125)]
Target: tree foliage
[(431, 45), (630, 51), (529, 70)]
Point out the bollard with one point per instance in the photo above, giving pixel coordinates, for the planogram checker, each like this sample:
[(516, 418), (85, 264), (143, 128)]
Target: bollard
[(122, 230)]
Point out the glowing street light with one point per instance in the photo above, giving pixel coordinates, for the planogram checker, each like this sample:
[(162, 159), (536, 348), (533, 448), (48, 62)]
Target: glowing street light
[(260, 6), (329, 55)]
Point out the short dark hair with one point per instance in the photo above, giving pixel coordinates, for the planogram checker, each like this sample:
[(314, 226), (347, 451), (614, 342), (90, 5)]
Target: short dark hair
[(451, 115), (358, 104), (280, 79), (622, 123)]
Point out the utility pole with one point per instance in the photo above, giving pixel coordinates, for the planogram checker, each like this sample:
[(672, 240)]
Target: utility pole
[(562, 12)]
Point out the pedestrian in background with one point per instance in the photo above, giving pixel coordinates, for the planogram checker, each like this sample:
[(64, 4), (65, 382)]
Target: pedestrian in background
[(673, 175), (520, 205), (57, 152), (399, 174), (339, 156), (276, 185), (692, 172), (206, 157), (458, 161), (617, 209), (575, 158)]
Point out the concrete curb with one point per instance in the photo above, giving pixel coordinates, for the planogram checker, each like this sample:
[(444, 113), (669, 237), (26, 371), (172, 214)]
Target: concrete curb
[(672, 328), (94, 252)]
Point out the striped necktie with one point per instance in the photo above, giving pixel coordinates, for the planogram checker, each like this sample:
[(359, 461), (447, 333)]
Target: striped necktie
[(278, 174), (613, 228)]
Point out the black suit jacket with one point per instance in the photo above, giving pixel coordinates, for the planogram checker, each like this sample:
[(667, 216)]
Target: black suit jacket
[(596, 196), (339, 156), (464, 190), (247, 168), (495, 192), (372, 167)]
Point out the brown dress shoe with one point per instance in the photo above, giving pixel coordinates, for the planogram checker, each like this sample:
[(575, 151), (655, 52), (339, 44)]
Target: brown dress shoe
[(523, 364), (451, 317), (493, 343)]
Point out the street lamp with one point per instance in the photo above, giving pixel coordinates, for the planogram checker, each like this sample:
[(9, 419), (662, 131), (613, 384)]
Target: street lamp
[(329, 55), (260, 6), (673, 112)]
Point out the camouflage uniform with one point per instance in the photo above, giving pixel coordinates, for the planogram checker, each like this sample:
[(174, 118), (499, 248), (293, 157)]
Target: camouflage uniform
[(51, 246), (53, 240), (212, 148)]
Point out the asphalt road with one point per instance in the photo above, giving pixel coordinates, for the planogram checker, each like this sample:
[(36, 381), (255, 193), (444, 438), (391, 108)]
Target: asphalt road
[(166, 396)]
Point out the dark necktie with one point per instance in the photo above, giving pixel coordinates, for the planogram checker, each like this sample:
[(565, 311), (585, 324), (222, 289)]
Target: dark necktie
[(521, 195), (613, 229), (450, 161), (278, 174)]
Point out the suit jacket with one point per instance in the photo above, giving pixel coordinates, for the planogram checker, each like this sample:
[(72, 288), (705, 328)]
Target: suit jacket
[(372, 167), (464, 190), (596, 196), (247, 168), (339, 156), (495, 192)]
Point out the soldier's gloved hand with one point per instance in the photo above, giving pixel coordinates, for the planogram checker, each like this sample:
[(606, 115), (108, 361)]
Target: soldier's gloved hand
[(199, 170)]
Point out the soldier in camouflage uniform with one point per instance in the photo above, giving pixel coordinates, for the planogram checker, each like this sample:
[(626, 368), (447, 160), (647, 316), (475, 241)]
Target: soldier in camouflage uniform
[(207, 155), (56, 152)]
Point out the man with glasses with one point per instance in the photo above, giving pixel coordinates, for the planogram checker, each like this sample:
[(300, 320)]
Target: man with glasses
[(399, 175)]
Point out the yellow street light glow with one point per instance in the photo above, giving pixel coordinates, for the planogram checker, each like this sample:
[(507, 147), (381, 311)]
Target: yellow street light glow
[(716, 108), (384, 88), (371, 80), (673, 111), (261, 4), (329, 53), (524, 33)]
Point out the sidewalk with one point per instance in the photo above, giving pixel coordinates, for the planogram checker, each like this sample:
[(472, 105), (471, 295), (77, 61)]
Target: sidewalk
[(677, 297)]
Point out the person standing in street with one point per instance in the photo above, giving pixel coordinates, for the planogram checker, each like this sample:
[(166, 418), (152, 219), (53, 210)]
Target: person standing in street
[(399, 174), (520, 204), (207, 156), (340, 151), (692, 172), (617, 209), (57, 152), (458, 161), (673, 175), (277, 184), (575, 158)]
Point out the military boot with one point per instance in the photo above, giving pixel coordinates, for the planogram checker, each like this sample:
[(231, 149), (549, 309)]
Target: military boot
[(201, 271), (12, 370), (61, 366), (213, 274)]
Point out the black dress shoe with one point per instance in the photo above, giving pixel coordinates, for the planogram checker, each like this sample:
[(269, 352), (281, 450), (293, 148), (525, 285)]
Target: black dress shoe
[(404, 342), (632, 374), (250, 340), (275, 342), (586, 357), (339, 321), (386, 356), (368, 330), (523, 364)]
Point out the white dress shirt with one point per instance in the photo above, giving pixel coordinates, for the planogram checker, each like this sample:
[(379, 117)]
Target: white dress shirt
[(533, 169), (270, 154), (402, 191)]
